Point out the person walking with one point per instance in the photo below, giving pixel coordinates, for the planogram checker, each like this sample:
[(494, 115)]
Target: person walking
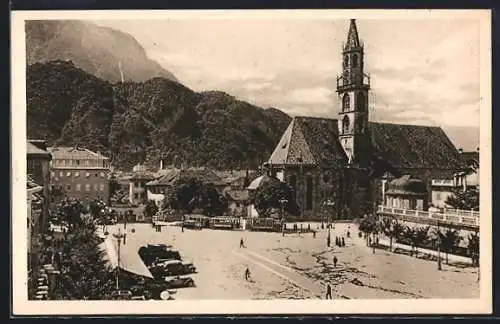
[(335, 260), (242, 243), (314, 234), (328, 291), (247, 274), (343, 242)]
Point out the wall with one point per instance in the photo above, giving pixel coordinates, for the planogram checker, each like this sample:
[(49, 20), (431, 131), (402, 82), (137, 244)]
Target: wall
[(156, 197), (439, 196), (137, 192), (82, 184), (39, 169)]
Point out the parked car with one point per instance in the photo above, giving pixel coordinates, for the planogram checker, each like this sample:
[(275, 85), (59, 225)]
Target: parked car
[(179, 282), (172, 268), (150, 254)]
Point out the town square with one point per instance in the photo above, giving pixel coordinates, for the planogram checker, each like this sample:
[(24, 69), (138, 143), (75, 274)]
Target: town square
[(338, 159)]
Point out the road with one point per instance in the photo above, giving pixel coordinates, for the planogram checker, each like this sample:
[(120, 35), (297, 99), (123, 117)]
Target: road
[(296, 266)]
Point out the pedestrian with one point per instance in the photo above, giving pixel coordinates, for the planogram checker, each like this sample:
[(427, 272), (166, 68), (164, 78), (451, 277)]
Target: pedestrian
[(308, 227), (314, 234), (369, 241), (247, 274), (328, 291), (242, 243), (335, 260), (348, 234), (343, 242)]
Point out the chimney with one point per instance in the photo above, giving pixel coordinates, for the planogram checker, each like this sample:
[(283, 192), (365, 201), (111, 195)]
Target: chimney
[(460, 150)]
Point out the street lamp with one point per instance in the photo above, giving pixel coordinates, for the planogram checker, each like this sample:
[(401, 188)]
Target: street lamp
[(283, 224), (119, 237), (328, 203)]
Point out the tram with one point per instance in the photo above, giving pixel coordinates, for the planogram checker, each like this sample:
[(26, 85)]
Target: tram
[(264, 224), (224, 222), (195, 221)]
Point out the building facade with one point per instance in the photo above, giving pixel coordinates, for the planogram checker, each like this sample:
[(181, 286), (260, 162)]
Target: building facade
[(348, 160), (80, 173), (38, 170)]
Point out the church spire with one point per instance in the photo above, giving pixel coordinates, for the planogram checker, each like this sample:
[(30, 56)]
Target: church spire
[(352, 37)]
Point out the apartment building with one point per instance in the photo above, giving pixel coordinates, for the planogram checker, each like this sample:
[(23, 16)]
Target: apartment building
[(80, 173)]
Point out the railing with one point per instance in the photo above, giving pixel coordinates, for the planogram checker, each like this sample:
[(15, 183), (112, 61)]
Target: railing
[(459, 217)]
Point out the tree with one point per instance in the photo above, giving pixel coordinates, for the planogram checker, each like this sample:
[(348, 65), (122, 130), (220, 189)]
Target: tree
[(392, 229), (466, 200), (368, 226), (193, 195), (114, 186), (473, 248), (416, 237), (449, 241), (270, 195), (69, 210), (150, 209)]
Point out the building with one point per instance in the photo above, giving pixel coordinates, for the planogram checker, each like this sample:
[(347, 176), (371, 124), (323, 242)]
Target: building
[(238, 200), (160, 187), (38, 170), (137, 187), (406, 193), (348, 159), (471, 174), (80, 173), (34, 211)]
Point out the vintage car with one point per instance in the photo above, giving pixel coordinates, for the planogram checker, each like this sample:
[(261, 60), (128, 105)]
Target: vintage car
[(121, 295), (179, 282), (171, 268), (152, 253)]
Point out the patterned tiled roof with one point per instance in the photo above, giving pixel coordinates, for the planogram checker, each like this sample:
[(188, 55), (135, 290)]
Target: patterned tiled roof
[(76, 153), (400, 146)]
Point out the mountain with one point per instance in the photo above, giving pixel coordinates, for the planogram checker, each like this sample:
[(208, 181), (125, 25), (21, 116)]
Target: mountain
[(98, 50), (147, 121)]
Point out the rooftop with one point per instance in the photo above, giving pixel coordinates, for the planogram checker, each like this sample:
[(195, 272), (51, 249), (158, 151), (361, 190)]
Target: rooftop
[(34, 151), (75, 153)]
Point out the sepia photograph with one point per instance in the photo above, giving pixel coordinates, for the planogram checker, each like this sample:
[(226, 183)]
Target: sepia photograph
[(293, 161)]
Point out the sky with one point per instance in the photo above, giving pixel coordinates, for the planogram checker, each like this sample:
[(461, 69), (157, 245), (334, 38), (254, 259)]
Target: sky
[(423, 72)]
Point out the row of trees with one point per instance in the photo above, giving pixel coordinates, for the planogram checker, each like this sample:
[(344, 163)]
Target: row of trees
[(84, 272), (446, 239)]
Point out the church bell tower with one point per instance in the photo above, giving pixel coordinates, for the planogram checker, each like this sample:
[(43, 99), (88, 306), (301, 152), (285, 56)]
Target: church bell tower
[(352, 88)]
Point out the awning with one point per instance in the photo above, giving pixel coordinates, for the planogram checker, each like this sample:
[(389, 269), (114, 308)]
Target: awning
[(129, 261)]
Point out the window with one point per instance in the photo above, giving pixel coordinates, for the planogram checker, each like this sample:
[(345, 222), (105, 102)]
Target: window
[(345, 125), (96, 187), (309, 193), (345, 102), (97, 174), (87, 187), (52, 174), (77, 174), (136, 196), (102, 174), (354, 62), (77, 162), (101, 187), (78, 187), (360, 101), (68, 187), (68, 174), (87, 175), (346, 60), (61, 174)]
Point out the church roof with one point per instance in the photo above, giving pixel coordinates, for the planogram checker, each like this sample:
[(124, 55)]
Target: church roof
[(398, 145), (352, 37)]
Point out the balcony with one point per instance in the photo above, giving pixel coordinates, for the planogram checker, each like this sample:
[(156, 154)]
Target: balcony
[(455, 218), (343, 84)]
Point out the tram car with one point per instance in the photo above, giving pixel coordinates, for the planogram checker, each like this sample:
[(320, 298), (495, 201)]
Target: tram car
[(195, 221), (264, 224), (227, 223)]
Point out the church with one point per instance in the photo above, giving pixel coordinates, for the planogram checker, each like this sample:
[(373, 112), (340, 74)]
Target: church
[(347, 161)]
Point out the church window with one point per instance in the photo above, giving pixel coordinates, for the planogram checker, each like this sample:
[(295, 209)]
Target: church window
[(346, 60), (309, 193), (360, 101), (326, 178), (345, 125), (359, 125), (354, 62), (345, 102)]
